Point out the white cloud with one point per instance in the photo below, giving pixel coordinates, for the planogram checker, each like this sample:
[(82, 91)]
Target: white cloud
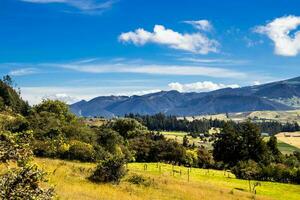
[(213, 61), (156, 69), (202, 25), (62, 97), (84, 5), (256, 83), (204, 86), (279, 31), (23, 72), (195, 43)]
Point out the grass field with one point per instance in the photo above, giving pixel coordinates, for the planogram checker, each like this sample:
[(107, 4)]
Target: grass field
[(290, 138), (178, 136), (281, 116), (69, 179)]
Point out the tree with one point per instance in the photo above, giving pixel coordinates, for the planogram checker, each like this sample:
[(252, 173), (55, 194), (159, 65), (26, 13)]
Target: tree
[(128, 128), (240, 142), (272, 145), (247, 170), (185, 142)]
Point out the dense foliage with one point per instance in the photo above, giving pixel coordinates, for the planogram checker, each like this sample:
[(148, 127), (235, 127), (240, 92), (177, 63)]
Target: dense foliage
[(24, 181), (241, 148), (161, 122), (10, 99), (111, 169)]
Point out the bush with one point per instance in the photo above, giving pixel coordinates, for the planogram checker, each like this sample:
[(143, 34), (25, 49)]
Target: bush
[(246, 170), (81, 151), (24, 183), (140, 180), (109, 170)]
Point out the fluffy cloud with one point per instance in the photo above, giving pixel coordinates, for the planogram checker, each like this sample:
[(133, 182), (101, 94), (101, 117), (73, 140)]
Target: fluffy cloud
[(202, 25), (61, 97), (199, 86), (279, 31), (84, 5), (195, 43)]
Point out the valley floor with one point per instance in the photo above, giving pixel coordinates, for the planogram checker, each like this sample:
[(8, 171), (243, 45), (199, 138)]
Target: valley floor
[(69, 180)]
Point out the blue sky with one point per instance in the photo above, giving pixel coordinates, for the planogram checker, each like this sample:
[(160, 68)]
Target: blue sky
[(79, 49)]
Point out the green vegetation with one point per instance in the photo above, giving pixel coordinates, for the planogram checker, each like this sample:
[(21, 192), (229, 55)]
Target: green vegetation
[(70, 182), (50, 130), (20, 179)]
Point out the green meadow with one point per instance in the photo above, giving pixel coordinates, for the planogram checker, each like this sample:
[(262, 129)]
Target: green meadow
[(167, 182)]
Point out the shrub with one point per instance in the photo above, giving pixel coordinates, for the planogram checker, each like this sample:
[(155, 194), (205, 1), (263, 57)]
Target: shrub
[(15, 147), (140, 180), (24, 183), (109, 170), (246, 170), (81, 151)]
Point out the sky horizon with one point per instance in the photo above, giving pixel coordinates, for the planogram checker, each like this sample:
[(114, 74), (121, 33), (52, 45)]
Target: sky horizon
[(79, 49)]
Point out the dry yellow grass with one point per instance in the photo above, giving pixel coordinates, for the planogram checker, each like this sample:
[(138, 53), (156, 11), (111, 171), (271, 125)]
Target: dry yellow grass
[(69, 179), (290, 138)]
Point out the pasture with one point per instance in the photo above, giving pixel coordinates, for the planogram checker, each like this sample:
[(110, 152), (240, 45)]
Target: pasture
[(70, 182)]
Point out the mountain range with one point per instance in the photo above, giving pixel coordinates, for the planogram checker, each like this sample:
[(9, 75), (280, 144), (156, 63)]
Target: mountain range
[(280, 95)]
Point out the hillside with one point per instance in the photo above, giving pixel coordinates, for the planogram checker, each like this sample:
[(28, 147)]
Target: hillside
[(275, 96), (70, 182)]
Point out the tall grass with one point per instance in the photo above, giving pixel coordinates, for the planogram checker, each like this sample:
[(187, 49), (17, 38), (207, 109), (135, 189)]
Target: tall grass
[(69, 179)]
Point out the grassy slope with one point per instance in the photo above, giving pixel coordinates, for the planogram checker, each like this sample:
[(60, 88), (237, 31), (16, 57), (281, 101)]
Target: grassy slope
[(70, 182), (291, 138)]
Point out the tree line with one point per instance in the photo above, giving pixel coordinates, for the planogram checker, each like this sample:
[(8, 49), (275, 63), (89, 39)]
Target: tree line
[(162, 122)]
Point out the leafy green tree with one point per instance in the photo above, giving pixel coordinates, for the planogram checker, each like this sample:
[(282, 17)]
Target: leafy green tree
[(272, 145), (204, 158), (240, 142), (10, 99), (128, 128), (249, 170)]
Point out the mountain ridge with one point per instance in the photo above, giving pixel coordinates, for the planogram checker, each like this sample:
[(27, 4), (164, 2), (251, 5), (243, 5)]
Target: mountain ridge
[(279, 95)]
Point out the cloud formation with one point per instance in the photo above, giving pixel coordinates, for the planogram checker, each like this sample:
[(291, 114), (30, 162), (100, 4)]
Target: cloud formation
[(195, 42), (204, 86), (202, 25), (279, 31), (184, 70), (23, 72), (83, 5)]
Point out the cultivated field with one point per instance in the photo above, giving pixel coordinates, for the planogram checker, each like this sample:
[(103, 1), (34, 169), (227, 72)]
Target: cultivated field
[(292, 139), (281, 116), (69, 179)]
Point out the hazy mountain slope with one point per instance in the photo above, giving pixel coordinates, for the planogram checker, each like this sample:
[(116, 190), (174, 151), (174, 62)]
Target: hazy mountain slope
[(271, 96)]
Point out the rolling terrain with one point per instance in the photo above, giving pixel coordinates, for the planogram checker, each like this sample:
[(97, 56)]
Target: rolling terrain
[(70, 182), (275, 96)]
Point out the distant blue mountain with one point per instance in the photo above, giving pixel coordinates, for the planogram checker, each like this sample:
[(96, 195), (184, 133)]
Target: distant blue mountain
[(280, 95)]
